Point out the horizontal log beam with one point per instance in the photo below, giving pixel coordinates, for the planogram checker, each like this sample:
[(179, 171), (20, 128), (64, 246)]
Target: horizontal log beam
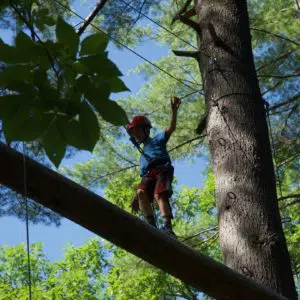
[(125, 230)]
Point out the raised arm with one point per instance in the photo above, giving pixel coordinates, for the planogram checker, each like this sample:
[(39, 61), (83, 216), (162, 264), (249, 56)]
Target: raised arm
[(175, 103)]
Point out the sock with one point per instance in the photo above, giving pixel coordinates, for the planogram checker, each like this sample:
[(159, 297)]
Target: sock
[(151, 221)]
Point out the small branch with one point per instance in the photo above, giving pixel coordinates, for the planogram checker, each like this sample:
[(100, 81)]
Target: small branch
[(91, 17), (291, 203), (288, 160), (194, 235), (276, 35), (289, 197), (187, 142), (138, 17), (280, 76), (281, 57), (273, 87), (181, 11), (291, 100), (193, 54)]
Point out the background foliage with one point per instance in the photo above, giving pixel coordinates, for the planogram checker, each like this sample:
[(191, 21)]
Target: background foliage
[(55, 80)]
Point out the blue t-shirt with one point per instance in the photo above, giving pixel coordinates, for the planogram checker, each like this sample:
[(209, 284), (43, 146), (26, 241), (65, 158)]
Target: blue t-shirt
[(154, 148)]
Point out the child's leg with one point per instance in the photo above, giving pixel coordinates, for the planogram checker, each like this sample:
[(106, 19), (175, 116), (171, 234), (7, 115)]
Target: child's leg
[(162, 200), (145, 207), (163, 204), (144, 203)]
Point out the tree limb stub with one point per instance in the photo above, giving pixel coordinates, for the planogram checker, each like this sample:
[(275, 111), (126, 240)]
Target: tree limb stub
[(193, 54), (181, 11), (185, 20), (124, 230)]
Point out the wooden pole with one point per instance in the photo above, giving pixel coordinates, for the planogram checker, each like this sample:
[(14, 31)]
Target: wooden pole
[(124, 230)]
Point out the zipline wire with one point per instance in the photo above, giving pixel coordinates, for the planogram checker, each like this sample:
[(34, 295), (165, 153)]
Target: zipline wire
[(126, 47), (160, 25), (27, 223)]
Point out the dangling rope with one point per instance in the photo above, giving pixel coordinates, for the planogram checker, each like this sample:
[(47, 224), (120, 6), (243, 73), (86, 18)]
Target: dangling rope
[(27, 223)]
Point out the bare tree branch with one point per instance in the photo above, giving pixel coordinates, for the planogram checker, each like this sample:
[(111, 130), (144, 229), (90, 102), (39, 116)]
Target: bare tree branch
[(282, 57), (91, 16), (197, 234), (289, 197), (291, 203), (276, 35), (279, 76), (290, 100), (288, 160)]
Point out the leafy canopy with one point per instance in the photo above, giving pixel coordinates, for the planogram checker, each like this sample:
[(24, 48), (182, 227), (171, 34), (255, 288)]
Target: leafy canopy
[(55, 90)]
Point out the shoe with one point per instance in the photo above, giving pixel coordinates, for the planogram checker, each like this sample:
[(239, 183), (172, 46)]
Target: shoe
[(169, 231)]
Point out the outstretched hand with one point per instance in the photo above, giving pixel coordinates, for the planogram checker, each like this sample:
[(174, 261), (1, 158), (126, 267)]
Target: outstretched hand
[(175, 103)]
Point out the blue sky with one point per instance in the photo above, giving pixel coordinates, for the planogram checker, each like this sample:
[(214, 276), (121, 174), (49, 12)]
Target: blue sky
[(55, 239)]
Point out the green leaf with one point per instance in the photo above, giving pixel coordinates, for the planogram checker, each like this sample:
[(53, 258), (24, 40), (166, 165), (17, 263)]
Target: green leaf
[(22, 121), (94, 44), (115, 84), (95, 94), (16, 73), (4, 3), (101, 65), (83, 131), (112, 112), (8, 54), (23, 41), (90, 126), (79, 67), (42, 18), (54, 141), (67, 36)]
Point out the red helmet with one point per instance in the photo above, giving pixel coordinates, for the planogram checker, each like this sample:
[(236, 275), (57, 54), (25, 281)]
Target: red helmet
[(139, 121)]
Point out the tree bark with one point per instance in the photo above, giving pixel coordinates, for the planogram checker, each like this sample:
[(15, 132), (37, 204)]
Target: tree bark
[(251, 235)]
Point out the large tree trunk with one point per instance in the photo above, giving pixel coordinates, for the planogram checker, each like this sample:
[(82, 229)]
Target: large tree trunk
[(251, 234)]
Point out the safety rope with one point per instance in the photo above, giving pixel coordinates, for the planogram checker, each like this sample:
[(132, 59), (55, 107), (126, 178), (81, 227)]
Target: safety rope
[(27, 223)]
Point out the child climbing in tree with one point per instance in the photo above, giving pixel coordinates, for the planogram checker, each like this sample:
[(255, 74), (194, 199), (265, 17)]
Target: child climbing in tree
[(156, 168)]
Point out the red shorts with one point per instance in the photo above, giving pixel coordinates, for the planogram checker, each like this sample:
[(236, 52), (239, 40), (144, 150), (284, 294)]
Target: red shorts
[(157, 181)]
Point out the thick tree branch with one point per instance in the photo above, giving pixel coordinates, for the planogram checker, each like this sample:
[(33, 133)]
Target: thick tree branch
[(91, 16), (124, 230)]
